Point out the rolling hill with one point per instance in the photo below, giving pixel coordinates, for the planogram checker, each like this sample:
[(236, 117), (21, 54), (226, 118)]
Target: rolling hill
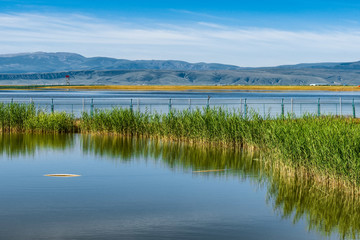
[(51, 68)]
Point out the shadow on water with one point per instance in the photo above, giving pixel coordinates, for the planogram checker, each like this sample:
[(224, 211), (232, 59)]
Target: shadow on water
[(328, 211)]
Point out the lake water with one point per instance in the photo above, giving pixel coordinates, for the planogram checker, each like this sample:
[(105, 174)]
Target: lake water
[(141, 189), (271, 103)]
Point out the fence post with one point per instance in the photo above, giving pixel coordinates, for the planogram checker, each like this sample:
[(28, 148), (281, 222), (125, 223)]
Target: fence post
[(240, 105), (52, 105), (245, 108), (92, 108), (189, 104), (353, 106), (336, 109), (169, 105), (208, 103), (131, 105), (12, 100), (83, 104), (318, 107), (138, 105), (282, 108), (340, 107), (264, 111)]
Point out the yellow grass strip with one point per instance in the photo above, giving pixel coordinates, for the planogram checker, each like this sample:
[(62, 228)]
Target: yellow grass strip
[(204, 88)]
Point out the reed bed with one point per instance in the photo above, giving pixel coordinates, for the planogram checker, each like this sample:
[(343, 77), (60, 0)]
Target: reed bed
[(17, 117), (199, 87), (329, 145)]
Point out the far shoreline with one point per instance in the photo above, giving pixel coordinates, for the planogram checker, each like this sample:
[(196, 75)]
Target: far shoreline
[(181, 88)]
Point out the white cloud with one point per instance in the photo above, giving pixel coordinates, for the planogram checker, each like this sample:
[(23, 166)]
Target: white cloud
[(201, 41)]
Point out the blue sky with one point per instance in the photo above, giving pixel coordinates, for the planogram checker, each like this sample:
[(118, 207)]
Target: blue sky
[(265, 6), (245, 33)]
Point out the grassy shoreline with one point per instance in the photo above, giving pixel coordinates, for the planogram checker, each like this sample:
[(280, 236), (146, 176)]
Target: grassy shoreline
[(180, 88), (327, 146)]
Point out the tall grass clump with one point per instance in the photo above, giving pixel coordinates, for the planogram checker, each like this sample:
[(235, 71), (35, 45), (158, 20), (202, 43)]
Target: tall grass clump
[(57, 122), (207, 125), (216, 125), (14, 115), (18, 117), (328, 144), (117, 120)]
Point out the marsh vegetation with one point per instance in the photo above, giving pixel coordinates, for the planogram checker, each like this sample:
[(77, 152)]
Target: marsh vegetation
[(328, 145)]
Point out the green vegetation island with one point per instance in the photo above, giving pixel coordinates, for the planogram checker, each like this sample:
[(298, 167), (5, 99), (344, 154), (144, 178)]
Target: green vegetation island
[(325, 148)]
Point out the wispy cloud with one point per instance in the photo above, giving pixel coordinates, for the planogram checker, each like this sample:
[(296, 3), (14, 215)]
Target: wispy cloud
[(212, 25), (200, 41)]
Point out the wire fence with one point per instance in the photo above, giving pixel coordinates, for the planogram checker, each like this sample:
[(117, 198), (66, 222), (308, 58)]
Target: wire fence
[(266, 107)]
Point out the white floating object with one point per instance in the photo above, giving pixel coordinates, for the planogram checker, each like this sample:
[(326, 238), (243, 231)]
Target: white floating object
[(61, 175)]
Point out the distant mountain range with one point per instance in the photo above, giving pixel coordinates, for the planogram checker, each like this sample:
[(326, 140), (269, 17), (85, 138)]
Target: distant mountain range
[(51, 68), (55, 62)]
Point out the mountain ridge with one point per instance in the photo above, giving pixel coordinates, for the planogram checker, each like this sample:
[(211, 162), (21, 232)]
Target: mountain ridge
[(62, 61), (101, 70)]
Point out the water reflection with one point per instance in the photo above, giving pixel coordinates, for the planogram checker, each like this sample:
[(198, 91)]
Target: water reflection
[(17, 144), (329, 211), (176, 155)]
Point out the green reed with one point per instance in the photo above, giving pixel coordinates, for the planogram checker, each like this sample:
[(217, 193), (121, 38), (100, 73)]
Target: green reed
[(206, 125), (17, 117), (328, 144)]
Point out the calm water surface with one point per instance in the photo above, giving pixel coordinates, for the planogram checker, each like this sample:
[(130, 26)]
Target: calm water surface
[(142, 189)]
